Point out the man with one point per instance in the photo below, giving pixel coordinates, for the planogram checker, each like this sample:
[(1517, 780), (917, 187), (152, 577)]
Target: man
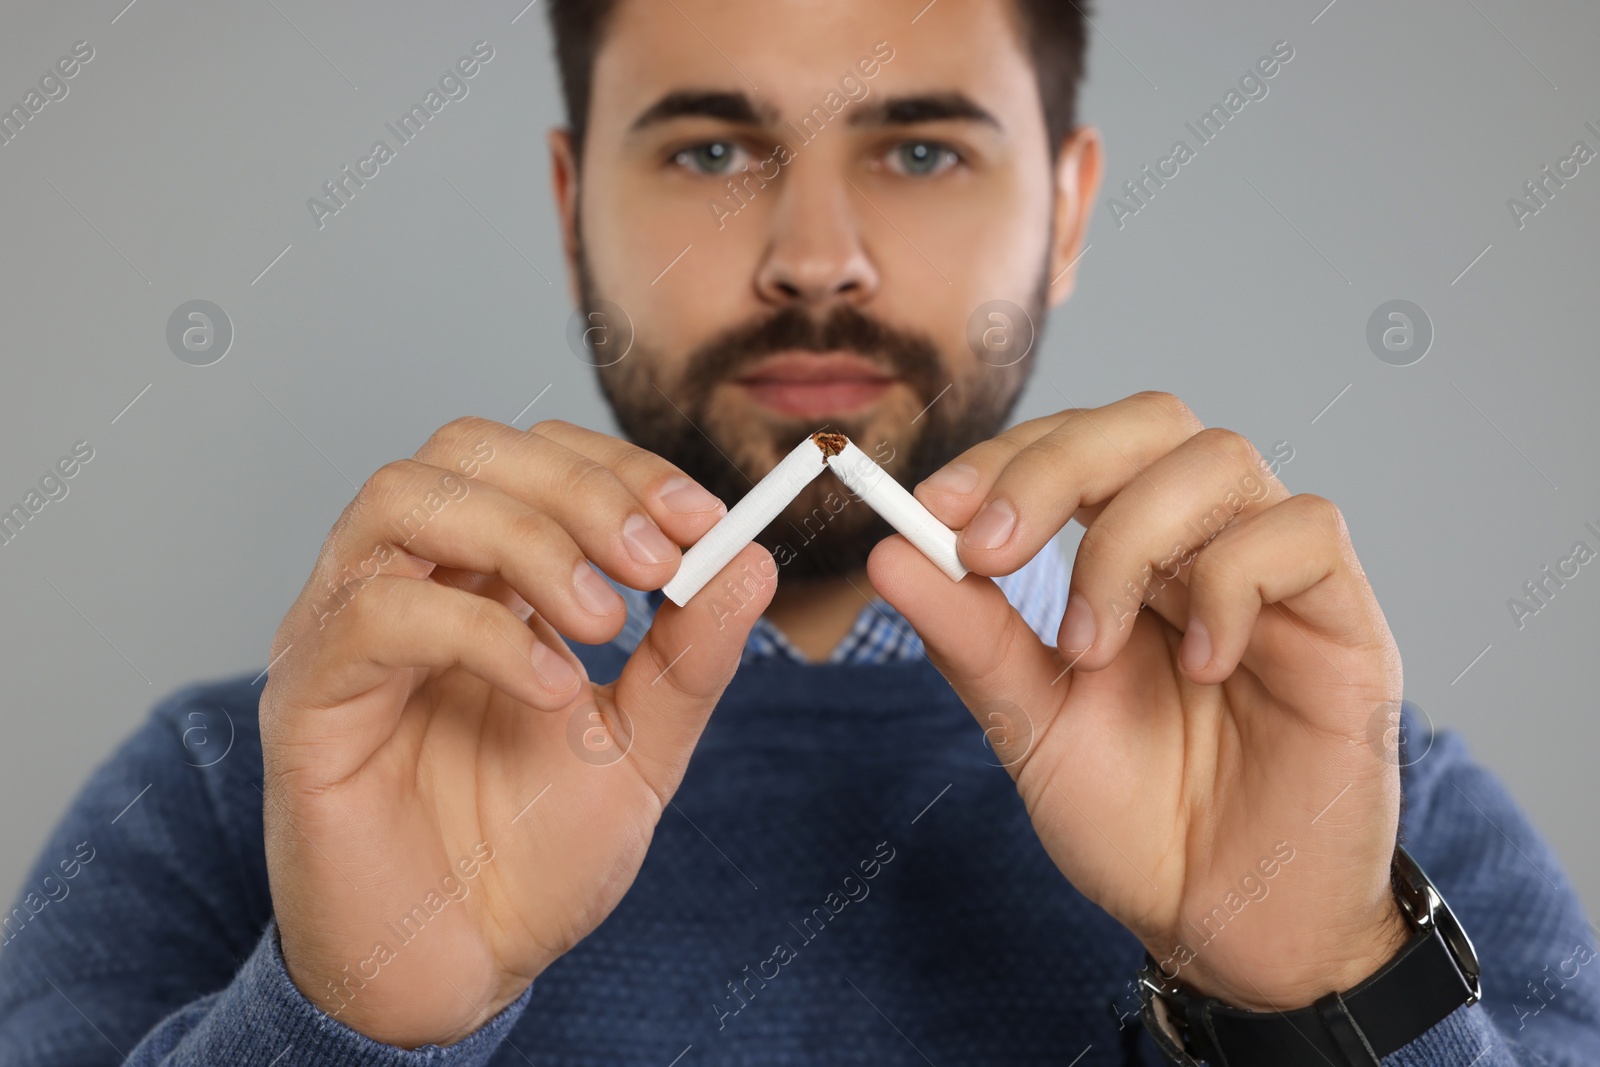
[(929, 821)]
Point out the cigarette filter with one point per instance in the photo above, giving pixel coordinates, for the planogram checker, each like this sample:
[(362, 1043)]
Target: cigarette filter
[(899, 508), (766, 499)]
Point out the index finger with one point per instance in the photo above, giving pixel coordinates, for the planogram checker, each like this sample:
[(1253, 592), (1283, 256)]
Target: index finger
[(1012, 494), (682, 506)]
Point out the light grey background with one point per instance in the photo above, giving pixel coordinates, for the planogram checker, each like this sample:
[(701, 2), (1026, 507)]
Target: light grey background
[(1377, 168)]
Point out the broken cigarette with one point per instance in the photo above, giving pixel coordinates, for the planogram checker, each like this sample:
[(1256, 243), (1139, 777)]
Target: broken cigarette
[(768, 497), (899, 508), (763, 503)]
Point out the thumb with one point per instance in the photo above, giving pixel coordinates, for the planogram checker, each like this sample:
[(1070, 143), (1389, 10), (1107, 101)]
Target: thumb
[(996, 664), (673, 680)]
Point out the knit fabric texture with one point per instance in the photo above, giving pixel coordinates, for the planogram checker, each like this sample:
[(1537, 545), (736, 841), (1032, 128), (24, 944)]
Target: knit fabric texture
[(846, 876)]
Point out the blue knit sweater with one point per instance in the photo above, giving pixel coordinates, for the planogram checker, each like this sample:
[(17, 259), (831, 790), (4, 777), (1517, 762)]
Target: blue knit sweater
[(845, 877)]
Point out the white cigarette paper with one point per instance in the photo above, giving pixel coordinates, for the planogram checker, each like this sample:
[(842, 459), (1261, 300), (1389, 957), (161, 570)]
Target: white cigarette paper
[(763, 503), (899, 508)]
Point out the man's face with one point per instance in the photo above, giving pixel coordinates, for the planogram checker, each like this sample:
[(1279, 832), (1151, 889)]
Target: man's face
[(799, 206)]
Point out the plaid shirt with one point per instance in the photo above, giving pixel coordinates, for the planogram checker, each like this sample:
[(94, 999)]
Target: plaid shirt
[(880, 634)]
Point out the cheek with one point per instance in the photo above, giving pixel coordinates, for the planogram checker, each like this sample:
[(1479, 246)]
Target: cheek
[(653, 247), (988, 241)]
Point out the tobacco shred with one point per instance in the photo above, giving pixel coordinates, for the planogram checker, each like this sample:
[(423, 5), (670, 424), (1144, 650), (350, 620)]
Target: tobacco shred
[(830, 443)]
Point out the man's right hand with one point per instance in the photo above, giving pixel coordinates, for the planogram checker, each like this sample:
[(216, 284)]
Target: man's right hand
[(441, 823)]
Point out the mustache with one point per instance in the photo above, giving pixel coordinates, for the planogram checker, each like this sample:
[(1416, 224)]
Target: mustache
[(906, 354)]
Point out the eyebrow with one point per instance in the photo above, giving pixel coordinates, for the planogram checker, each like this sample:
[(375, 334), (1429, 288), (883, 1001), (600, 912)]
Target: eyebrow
[(738, 108), (732, 107), (924, 107)]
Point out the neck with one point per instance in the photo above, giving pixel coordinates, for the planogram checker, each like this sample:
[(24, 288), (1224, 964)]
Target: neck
[(815, 616)]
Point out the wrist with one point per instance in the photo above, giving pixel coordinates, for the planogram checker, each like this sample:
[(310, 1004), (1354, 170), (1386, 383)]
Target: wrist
[(407, 1008), (1352, 1016), (1324, 960)]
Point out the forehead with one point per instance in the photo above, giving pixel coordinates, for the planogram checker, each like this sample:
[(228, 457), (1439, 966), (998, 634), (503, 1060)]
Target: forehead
[(788, 54)]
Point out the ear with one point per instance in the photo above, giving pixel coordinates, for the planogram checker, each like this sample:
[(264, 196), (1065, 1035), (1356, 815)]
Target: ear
[(1077, 180), (564, 187)]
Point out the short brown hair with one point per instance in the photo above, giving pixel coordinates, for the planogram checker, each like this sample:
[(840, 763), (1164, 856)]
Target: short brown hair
[(1054, 31)]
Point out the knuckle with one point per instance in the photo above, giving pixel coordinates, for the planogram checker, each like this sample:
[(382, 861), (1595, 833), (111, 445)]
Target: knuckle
[(485, 626), (1215, 565), (530, 527), (392, 475), (385, 484), (457, 435), (1236, 446), (1161, 401), (1033, 429), (1171, 409), (549, 427), (1324, 512), (1048, 453), (471, 427), (444, 438), (585, 476), (642, 467)]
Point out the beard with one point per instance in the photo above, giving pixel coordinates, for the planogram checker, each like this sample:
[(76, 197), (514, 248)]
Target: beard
[(826, 532)]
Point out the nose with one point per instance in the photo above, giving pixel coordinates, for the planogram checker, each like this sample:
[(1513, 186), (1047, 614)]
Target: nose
[(815, 255)]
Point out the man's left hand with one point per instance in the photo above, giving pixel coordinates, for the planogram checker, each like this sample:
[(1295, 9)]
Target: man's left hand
[(1203, 769)]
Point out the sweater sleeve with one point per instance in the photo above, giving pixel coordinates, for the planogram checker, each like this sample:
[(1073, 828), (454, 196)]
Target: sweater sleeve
[(143, 934), (1541, 976), (262, 1019)]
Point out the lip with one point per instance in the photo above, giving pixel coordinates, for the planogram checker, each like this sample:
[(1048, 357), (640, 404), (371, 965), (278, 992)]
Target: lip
[(811, 384)]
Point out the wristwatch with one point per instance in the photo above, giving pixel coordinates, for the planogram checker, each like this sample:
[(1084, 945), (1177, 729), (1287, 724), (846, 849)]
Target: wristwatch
[(1431, 976)]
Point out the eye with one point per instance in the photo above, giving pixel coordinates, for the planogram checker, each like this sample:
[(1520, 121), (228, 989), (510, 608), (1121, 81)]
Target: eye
[(712, 157), (919, 159)]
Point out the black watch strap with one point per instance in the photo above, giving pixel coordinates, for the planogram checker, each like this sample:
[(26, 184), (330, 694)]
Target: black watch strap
[(1432, 975)]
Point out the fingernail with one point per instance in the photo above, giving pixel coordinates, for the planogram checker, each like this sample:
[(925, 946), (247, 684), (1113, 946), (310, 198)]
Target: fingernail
[(993, 525), (593, 591), (956, 478), (1077, 624), (646, 543), (685, 497), (1194, 651), (553, 670)]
